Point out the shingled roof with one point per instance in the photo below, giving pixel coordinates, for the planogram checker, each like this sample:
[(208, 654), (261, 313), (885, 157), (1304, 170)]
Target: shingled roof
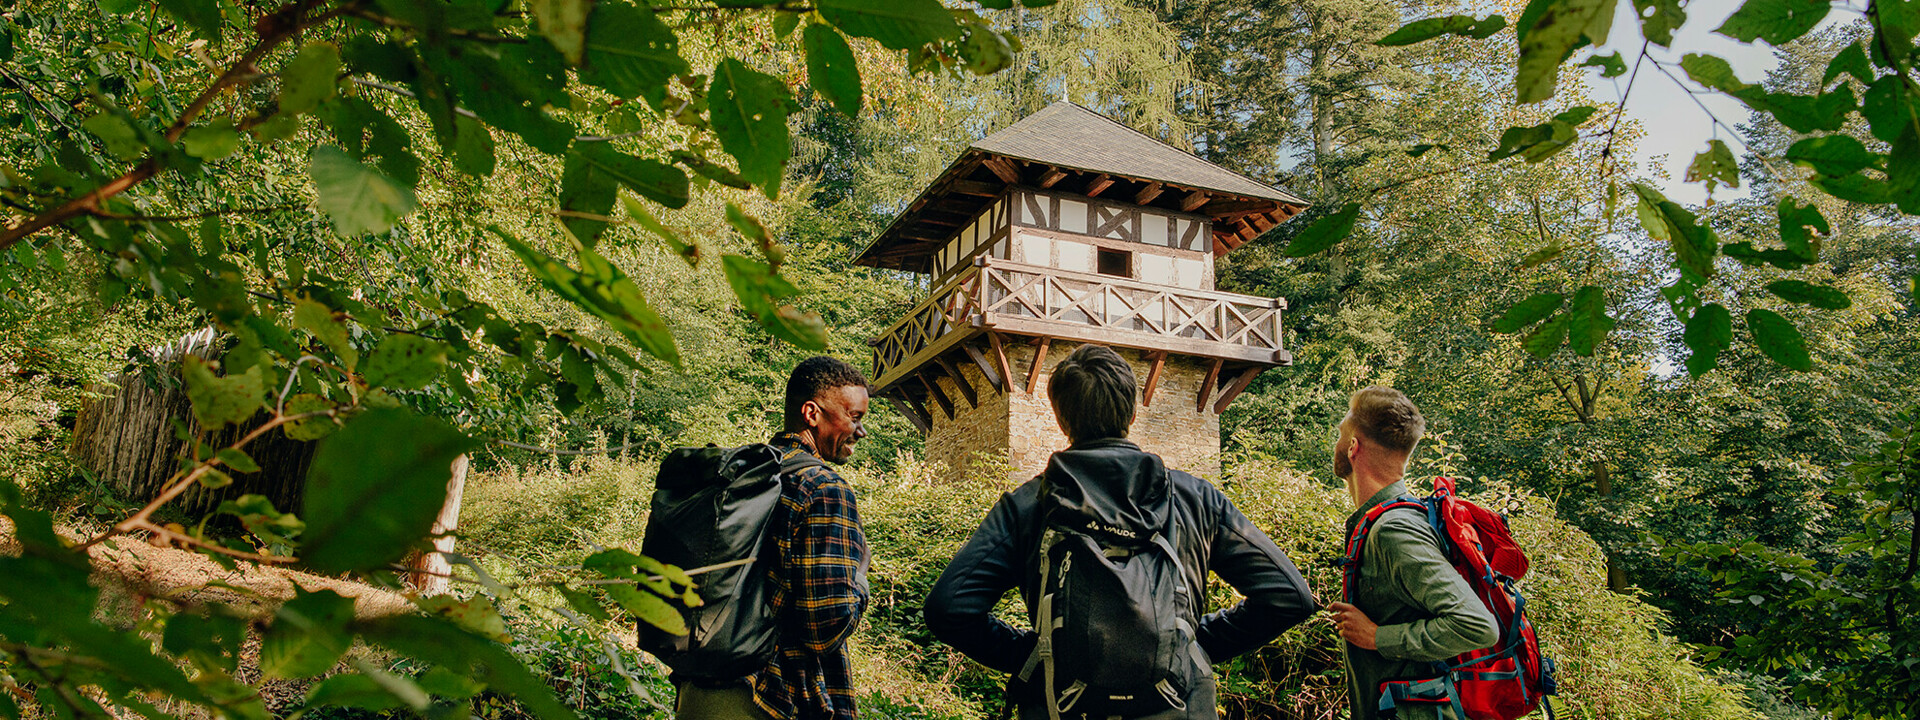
[(1068, 148)]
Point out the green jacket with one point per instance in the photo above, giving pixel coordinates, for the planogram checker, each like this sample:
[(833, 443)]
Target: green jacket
[(1425, 609)]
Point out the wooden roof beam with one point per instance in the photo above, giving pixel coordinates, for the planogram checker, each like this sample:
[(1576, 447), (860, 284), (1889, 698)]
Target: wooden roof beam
[(1052, 177), (939, 397), (1230, 208), (1099, 184), (1233, 390), (1159, 358), (1206, 386), (1039, 360), (915, 418), (975, 188), (959, 381), (987, 370), (1148, 193), (1003, 169), (1194, 200)]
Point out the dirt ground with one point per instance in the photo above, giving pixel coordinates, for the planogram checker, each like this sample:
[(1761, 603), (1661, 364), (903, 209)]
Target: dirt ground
[(129, 571)]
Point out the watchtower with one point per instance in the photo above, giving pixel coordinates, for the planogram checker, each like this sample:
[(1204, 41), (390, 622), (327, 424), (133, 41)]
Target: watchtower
[(1069, 228)]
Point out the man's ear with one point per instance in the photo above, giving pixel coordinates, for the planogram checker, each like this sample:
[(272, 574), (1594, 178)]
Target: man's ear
[(810, 413)]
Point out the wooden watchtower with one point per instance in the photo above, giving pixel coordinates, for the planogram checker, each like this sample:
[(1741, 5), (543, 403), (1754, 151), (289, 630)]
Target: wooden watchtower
[(1068, 228)]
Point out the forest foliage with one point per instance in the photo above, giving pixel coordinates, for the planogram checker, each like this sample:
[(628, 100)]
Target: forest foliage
[(484, 227)]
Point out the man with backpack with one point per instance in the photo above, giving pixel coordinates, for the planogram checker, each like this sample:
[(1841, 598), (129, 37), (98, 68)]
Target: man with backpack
[(1409, 607), (1110, 550), (788, 558)]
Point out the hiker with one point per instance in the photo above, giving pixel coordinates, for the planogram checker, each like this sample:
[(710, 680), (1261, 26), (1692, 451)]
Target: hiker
[(1110, 550), (1410, 607), (818, 584)]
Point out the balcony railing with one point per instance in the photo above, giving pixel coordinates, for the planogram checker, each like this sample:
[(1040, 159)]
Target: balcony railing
[(1041, 301)]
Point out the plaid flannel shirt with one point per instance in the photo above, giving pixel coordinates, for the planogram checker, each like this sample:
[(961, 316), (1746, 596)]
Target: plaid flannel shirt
[(820, 590)]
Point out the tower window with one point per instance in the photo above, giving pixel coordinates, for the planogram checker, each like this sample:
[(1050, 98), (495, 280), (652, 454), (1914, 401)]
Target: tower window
[(1118, 263)]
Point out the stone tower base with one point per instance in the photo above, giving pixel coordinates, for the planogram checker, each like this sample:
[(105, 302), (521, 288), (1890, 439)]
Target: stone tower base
[(1019, 429)]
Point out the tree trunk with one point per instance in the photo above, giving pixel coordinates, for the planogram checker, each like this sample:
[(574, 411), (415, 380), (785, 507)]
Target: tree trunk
[(1603, 484), (431, 570)]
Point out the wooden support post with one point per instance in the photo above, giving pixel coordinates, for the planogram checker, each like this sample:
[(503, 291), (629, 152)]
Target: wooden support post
[(918, 420), (959, 381), (1159, 358), (1233, 389), (919, 407), (939, 396), (431, 571), (1206, 386), (1000, 359), (1039, 359), (994, 378)]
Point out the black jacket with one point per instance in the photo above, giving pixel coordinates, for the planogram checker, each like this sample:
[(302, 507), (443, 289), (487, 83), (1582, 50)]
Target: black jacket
[(1115, 480)]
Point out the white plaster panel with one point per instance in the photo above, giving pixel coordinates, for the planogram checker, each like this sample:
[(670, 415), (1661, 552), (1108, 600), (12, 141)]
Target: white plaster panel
[(1073, 216), (1074, 256)]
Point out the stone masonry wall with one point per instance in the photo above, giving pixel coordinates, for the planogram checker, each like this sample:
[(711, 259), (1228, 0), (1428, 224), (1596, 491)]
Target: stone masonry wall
[(1021, 428)]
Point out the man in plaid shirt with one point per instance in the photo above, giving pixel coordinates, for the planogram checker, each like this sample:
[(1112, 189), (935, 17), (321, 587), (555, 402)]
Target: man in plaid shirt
[(820, 581)]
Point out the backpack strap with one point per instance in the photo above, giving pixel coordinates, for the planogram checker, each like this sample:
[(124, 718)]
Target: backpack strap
[(1350, 562)]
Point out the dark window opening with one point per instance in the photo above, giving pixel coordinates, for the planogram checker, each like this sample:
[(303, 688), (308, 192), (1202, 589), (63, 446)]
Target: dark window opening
[(1116, 262)]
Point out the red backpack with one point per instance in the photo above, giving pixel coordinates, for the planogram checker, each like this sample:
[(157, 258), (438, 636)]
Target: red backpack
[(1502, 682)]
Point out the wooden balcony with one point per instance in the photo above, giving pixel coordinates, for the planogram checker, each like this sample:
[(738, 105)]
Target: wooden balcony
[(1011, 298)]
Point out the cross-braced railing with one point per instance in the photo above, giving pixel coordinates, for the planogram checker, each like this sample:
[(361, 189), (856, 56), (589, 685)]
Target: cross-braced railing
[(1042, 301)]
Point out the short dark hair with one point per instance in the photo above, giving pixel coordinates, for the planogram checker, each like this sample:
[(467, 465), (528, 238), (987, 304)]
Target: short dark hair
[(813, 376), (1388, 417), (1093, 393)]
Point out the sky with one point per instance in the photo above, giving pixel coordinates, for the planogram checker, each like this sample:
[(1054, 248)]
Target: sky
[(1678, 127)]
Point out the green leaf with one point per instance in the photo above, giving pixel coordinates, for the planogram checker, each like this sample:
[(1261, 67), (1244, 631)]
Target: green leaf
[(1855, 188), (1795, 221), (472, 147), (1889, 107), (440, 642), (1776, 21), (311, 76), (218, 401), (212, 141), (1611, 65), (212, 479), (749, 110), (1849, 61), (1903, 171), (1713, 72), (1779, 340), (583, 603), (564, 24), (1831, 155), (1541, 256), (326, 326), (1694, 245), (1528, 312), (1709, 332), (897, 24), (1715, 165), (375, 488), (308, 634), (1547, 338), (237, 459), (476, 614), (358, 198), (639, 214), (760, 290), (831, 68), (202, 15), (1542, 141), (447, 684), (1324, 232), (121, 139), (648, 608), (406, 362), (354, 691), (1420, 30), (753, 230), (210, 641), (259, 516), (631, 53), (1824, 297), (1659, 18), (1589, 323), (602, 290), (312, 428), (1549, 31), (653, 180)]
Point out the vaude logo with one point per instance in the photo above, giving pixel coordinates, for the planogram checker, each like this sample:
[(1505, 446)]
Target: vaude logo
[(1095, 526)]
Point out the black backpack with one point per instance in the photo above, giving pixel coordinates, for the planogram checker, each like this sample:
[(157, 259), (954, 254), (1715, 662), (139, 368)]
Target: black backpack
[(1115, 618), (712, 508)]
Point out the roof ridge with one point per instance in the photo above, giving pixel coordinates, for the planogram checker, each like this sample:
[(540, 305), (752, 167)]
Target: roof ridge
[(1058, 106)]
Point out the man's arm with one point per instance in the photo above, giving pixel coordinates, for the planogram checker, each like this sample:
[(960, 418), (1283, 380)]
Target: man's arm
[(829, 567), (960, 608), (1460, 622), (1277, 597)]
